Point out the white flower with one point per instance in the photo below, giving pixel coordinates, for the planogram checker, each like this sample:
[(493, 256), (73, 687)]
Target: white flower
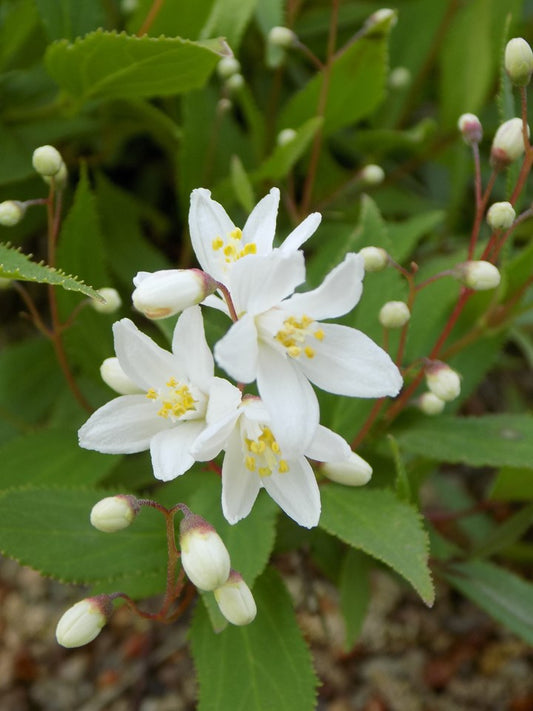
[(176, 388), (254, 459), (219, 244), (281, 343)]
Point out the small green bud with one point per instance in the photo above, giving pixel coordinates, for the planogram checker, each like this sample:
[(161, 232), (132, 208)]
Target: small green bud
[(519, 61), (282, 37), (507, 144), (375, 258), (112, 301), (478, 275), (471, 128), (47, 160), (11, 212), (394, 314), (501, 215), (430, 404), (443, 381)]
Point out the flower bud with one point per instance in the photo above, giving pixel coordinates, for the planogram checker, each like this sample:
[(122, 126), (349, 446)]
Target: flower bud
[(375, 258), (234, 83), (351, 472), (399, 78), (60, 178), (471, 128), (478, 275), (282, 37), (82, 622), (204, 556), (430, 404), (518, 61), (112, 301), (501, 215), (227, 67), (372, 174), (47, 160), (394, 314), (286, 136), (169, 291), (113, 375), (443, 382), (508, 144), (235, 600), (11, 212), (114, 513)]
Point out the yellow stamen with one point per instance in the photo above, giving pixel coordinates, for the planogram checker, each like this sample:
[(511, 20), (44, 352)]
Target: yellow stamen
[(309, 352)]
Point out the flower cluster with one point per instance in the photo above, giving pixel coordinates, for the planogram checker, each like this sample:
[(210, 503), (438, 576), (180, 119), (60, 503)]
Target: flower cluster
[(173, 404)]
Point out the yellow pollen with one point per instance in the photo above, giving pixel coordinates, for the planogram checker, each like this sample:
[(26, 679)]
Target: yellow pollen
[(294, 334), (319, 334), (275, 447), (294, 351), (309, 352), (232, 247), (250, 248), (250, 463), (217, 243), (236, 233), (264, 471), (229, 250), (267, 453), (151, 394), (283, 466), (175, 401)]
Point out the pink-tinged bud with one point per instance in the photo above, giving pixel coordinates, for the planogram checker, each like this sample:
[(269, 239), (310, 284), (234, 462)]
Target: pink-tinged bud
[(443, 381), (375, 258), (204, 556), (235, 600), (351, 472), (478, 275), (471, 128), (169, 291), (11, 212), (501, 215), (47, 161), (508, 144), (112, 301), (518, 61), (113, 375), (83, 622), (282, 37), (394, 314), (114, 513), (430, 404), (372, 174)]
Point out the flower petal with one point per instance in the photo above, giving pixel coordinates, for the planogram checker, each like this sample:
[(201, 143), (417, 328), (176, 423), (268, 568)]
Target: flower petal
[(237, 351), (260, 226), (214, 438), (190, 348), (296, 491), (328, 446), (170, 450), (346, 362), (301, 233), (239, 486), (339, 292), (223, 399), (122, 426), (208, 220)]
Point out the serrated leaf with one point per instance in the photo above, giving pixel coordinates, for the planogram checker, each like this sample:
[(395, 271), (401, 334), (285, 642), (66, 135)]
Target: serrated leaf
[(374, 521), (110, 65), (262, 666)]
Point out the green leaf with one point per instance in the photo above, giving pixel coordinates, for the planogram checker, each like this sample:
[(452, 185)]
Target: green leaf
[(403, 486), (374, 521), (228, 18), (507, 533), (492, 440), (107, 65), (506, 597), (280, 162), (242, 186), (262, 666), (513, 484), (354, 591), (21, 37), (68, 19), (16, 265)]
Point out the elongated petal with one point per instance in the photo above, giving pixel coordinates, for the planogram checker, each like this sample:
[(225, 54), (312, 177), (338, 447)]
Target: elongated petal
[(301, 233), (122, 426), (289, 399), (260, 226), (208, 220), (170, 450), (347, 362), (296, 491), (239, 486), (237, 351), (328, 446), (143, 361), (214, 438), (191, 349), (339, 292), (224, 398)]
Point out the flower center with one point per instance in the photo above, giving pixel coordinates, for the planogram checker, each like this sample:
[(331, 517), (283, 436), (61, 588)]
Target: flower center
[(264, 454), (296, 334), (232, 248), (175, 398)]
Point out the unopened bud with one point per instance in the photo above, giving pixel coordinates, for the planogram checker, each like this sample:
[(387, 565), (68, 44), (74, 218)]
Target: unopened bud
[(227, 67), (234, 83), (114, 513), (60, 178), (82, 622), (375, 258), (518, 61), (224, 105), (372, 174), (47, 160), (394, 314), (235, 600), (169, 291), (282, 37), (112, 301), (286, 136), (443, 381), (11, 212), (204, 556), (351, 472), (430, 404), (478, 275), (399, 78), (113, 375), (501, 215), (508, 143), (471, 128)]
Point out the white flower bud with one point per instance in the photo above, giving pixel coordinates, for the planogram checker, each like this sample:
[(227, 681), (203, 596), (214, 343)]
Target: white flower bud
[(234, 83), (430, 404), (82, 622), (282, 37), (352, 472), (60, 178), (227, 67), (372, 174), (508, 143), (169, 291), (394, 314), (399, 78), (519, 61), (286, 136), (443, 382), (478, 275), (47, 160), (113, 375), (501, 215), (11, 212), (128, 7), (204, 556), (375, 258), (114, 513), (112, 301), (471, 128), (235, 600)]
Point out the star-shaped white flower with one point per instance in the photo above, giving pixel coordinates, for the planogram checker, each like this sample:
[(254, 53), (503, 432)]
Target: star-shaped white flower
[(169, 413)]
